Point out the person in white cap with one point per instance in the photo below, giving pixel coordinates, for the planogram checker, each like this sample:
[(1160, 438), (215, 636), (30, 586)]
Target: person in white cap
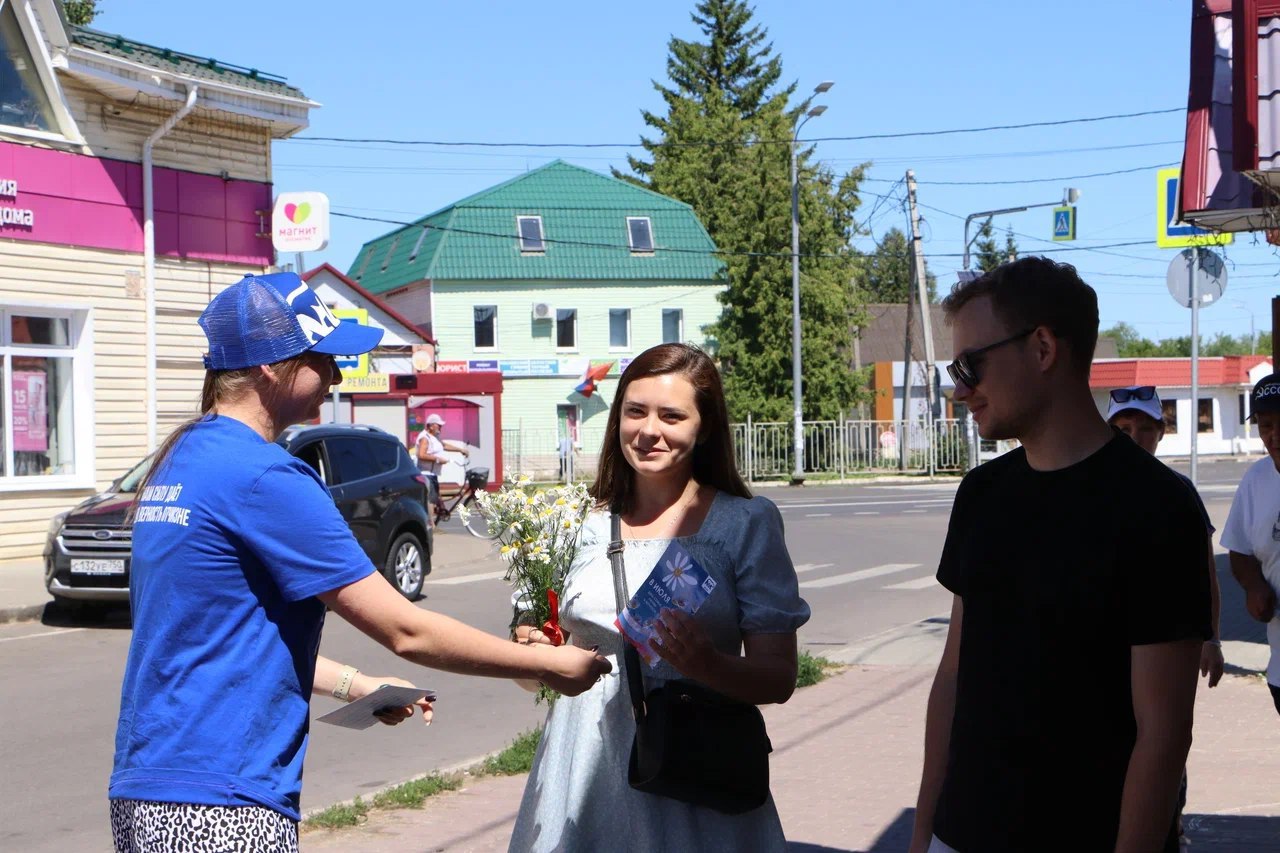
[(1252, 532), (430, 452), (1136, 411)]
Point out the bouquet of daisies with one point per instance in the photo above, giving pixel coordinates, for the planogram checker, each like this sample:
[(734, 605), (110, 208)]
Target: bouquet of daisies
[(538, 531)]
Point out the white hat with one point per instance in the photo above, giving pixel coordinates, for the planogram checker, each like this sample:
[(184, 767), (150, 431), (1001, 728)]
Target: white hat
[(435, 419), (1136, 398)]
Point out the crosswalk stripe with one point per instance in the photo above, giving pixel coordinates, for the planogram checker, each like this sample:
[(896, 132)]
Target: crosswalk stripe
[(808, 567), (483, 576), (861, 574), (919, 583)]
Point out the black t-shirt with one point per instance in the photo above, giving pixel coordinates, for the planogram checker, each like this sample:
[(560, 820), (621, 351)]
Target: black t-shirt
[(1204, 513), (1061, 572)]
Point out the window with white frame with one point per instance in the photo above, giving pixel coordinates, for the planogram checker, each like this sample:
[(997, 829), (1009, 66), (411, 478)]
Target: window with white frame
[(672, 325), (640, 234), (45, 354), (485, 318), (619, 328), (529, 228), (567, 328)]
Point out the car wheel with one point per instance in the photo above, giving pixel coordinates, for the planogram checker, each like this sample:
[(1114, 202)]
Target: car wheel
[(406, 566)]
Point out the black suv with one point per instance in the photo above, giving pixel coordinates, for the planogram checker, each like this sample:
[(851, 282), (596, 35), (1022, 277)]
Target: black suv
[(375, 485)]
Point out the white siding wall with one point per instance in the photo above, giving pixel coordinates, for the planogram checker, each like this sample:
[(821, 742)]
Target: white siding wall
[(97, 279), (208, 143)]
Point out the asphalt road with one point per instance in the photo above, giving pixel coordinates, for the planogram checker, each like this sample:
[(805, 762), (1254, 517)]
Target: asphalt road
[(865, 556)]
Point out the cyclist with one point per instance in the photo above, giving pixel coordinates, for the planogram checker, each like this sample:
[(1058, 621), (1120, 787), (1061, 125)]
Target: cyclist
[(430, 450)]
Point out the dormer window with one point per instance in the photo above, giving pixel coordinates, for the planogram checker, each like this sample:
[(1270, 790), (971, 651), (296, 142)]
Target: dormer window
[(23, 100), (640, 235), (530, 230)]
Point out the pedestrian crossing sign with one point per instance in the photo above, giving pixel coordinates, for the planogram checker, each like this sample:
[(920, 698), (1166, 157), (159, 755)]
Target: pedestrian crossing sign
[(1064, 222), (1171, 233)]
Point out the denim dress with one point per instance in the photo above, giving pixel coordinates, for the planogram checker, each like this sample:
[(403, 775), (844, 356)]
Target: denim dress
[(577, 797)]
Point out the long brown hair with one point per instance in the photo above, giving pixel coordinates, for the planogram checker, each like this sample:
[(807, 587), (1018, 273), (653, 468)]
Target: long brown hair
[(219, 385), (713, 459)]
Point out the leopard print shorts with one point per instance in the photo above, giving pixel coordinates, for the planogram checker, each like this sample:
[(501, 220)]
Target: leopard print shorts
[(143, 826)]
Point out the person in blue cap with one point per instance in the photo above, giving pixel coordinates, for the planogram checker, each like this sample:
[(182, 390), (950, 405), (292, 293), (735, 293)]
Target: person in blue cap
[(238, 549)]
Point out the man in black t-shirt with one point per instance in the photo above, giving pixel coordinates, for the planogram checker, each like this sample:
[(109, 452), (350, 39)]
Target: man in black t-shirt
[(1060, 716)]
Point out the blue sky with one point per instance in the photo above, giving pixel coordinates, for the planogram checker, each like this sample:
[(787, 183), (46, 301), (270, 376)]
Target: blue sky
[(574, 71)]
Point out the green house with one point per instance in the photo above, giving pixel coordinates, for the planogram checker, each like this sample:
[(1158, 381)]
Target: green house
[(542, 276)]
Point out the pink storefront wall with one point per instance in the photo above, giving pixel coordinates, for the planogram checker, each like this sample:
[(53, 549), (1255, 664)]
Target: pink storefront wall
[(86, 201)]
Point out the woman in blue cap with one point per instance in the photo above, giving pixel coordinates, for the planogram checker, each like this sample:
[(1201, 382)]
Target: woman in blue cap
[(237, 550)]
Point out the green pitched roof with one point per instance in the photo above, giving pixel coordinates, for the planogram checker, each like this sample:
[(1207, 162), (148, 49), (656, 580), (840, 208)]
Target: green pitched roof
[(584, 228), (182, 63)]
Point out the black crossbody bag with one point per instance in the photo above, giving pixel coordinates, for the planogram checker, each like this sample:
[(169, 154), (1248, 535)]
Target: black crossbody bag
[(692, 744)]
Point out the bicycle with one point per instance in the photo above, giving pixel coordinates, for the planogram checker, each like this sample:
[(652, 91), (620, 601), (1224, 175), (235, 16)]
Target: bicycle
[(477, 523)]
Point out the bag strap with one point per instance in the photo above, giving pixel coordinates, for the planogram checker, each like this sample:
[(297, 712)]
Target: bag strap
[(635, 675)]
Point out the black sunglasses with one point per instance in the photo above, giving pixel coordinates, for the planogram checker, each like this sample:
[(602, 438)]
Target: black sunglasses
[(964, 370), (1124, 395)]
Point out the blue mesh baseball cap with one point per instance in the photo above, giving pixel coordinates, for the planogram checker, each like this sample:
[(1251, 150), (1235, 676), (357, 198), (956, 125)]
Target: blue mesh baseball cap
[(262, 319)]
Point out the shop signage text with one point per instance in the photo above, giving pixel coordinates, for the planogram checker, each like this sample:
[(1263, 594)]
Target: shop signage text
[(19, 217)]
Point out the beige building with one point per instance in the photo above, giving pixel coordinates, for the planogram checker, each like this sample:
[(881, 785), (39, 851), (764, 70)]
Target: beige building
[(135, 182)]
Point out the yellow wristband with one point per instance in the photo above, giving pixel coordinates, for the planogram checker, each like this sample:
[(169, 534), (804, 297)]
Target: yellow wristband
[(343, 687)]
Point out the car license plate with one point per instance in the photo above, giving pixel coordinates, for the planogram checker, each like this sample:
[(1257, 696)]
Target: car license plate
[(97, 567)]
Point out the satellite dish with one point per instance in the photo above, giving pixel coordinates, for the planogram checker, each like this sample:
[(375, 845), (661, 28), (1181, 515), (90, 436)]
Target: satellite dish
[(1210, 272)]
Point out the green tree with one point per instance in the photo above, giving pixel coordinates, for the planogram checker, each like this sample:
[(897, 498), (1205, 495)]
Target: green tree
[(886, 272), (80, 12), (722, 91), (1010, 245), (988, 254), (1129, 342)]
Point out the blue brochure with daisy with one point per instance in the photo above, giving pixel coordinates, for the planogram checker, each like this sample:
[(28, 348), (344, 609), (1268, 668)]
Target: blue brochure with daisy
[(677, 582)]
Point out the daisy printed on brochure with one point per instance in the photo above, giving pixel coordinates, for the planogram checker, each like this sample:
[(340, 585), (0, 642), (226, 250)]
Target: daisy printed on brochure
[(677, 582)]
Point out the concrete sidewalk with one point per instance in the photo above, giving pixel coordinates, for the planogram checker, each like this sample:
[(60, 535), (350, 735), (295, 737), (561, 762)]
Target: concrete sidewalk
[(846, 764)]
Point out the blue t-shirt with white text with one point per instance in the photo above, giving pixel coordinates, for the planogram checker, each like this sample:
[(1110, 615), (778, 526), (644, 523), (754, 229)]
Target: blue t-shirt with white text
[(232, 540)]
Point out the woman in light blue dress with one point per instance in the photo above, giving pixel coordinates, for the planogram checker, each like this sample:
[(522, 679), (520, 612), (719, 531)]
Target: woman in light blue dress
[(667, 465)]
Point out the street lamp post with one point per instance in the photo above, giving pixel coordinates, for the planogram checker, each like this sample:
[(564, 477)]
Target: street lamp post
[(1069, 196), (797, 395)]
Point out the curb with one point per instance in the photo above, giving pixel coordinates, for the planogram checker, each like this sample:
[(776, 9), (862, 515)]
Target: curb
[(22, 613)]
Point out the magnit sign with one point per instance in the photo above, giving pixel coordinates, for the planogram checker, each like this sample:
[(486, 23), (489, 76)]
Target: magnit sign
[(300, 222)]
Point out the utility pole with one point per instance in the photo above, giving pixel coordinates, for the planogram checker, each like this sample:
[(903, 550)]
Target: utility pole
[(1275, 341), (906, 392), (926, 318)]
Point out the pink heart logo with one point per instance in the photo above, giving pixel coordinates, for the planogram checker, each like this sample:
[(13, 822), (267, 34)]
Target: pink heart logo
[(289, 210)]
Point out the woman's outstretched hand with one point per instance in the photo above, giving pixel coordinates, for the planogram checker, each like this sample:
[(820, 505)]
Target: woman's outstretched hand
[(571, 670), (362, 685)]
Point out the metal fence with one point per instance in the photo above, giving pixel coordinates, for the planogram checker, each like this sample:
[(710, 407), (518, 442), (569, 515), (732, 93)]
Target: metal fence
[(765, 451), (839, 448)]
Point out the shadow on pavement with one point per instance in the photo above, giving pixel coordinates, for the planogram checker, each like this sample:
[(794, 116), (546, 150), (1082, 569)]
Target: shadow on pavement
[(1234, 833), (83, 614), (1235, 621), (1237, 833)]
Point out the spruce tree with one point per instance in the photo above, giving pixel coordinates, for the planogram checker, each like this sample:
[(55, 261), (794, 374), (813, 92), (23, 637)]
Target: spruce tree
[(724, 150), (886, 272)]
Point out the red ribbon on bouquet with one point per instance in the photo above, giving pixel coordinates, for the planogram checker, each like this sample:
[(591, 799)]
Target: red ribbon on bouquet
[(551, 628)]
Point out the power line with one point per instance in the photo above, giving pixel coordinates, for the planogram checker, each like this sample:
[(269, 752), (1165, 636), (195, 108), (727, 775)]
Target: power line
[(1046, 180), (440, 143), (852, 257)]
